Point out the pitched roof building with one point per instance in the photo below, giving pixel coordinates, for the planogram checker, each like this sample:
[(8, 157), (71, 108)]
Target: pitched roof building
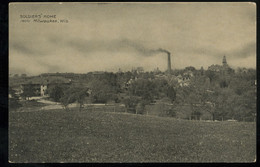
[(224, 68)]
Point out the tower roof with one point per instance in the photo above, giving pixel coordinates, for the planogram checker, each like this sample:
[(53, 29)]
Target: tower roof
[(224, 61)]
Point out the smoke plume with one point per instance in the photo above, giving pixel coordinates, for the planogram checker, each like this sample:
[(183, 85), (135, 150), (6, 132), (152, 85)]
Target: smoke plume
[(163, 50), (116, 45)]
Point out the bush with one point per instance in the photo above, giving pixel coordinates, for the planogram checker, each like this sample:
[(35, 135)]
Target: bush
[(171, 113), (14, 104), (56, 93), (131, 103)]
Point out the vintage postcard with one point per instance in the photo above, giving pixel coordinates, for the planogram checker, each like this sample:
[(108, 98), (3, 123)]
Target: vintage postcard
[(132, 82)]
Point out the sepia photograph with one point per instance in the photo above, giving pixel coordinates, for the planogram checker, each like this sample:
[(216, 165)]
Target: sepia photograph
[(132, 82)]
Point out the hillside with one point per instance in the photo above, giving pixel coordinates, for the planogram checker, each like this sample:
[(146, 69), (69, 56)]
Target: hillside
[(62, 136)]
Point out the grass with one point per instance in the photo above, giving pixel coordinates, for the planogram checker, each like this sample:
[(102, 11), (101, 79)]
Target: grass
[(30, 105), (87, 136)]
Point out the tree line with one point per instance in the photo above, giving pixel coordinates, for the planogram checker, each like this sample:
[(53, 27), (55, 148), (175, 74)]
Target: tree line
[(223, 96)]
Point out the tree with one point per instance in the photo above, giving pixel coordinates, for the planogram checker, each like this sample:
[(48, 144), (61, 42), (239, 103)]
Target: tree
[(75, 94), (13, 100), (244, 93), (102, 91), (56, 93), (201, 71), (28, 91), (171, 112), (222, 103), (193, 96), (171, 93), (66, 100), (211, 75), (190, 68), (131, 103), (196, 114), (81, 97), (140, 107), (144, 90), (223, 83), (23, 75)]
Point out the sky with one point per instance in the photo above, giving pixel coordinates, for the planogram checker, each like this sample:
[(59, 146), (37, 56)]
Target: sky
[(109, 36)]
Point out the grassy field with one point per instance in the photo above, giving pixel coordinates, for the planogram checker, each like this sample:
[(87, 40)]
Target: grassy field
[(87, 136)]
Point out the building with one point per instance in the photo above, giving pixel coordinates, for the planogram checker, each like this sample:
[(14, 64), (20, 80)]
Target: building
[(43, 90), (215, 68), (157, 70), (184, 79), (223, 69), (138, 70), (224, 62), (39, 85)]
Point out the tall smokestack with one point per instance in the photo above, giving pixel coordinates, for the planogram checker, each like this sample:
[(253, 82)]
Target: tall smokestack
[(169, 69), (169, 63)]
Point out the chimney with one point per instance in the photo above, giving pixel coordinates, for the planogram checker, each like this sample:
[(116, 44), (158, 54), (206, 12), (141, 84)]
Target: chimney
[(169, 63), (169, 69)]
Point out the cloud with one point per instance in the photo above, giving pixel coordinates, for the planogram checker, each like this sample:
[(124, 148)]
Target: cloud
[(244, 51), (247, 50), (115, 45), (31, 46), (111, 36), (20, 47)]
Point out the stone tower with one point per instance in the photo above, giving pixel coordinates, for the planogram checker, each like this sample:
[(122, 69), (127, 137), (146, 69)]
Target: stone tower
[(224, 62)]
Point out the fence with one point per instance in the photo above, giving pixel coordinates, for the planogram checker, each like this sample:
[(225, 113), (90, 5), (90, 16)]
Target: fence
[(106, 108), (164, 110), (153, 109)]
